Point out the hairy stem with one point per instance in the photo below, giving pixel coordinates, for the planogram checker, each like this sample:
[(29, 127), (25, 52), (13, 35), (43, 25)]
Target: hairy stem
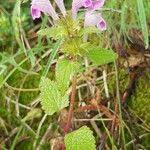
[(72, 101)]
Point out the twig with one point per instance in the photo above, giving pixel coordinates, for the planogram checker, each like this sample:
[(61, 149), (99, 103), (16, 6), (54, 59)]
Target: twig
[(94, 125), (102, 108), (104, 137), (21, 89), (134, 140), (72, 101), (113, 125), (105, 83), (21, 105)]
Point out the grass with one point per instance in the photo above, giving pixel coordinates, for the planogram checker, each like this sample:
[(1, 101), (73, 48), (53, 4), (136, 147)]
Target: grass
[(25, 55)]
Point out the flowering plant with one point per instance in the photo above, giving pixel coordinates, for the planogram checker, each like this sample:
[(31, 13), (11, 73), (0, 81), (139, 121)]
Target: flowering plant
[(71, 36), (92, 17), (70, 27)]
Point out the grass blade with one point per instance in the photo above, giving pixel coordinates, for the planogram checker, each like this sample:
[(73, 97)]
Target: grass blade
[(52, 56), (142, 19)]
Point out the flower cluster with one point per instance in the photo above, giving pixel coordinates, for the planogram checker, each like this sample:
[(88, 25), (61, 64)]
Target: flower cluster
[(92, 17)]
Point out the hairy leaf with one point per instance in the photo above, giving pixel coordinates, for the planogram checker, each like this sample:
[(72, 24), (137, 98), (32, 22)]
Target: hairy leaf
[(81, 139), (55, 32), (65, 70), (88, 30), (101, 56), (51, 99)]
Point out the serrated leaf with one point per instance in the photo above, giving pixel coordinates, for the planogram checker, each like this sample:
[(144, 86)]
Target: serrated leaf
[(53, 32), (65, 70), (68, 24), (51, 99), (72, 45), (81, 139), (88, 30), (101, 56)]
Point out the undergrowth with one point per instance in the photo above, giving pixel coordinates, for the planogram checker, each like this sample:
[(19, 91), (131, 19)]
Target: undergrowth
[(26, 56)]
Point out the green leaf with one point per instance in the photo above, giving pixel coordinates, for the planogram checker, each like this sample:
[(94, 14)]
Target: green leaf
[(88, 30), (65, 70), (101, 56), (81, 139), (71, 46), (143, 23), (53, 32), (51, 99)]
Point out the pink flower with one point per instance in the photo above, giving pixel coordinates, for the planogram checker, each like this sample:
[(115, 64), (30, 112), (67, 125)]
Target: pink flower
[(91, 5), (76, 4), (101, 24), (87, 3), (61, 6), (38, 6), (45, 6), (92, 18), (36, 13), (94, 4)]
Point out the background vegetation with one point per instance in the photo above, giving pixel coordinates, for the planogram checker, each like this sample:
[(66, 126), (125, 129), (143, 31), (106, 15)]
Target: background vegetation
[(23, 59)]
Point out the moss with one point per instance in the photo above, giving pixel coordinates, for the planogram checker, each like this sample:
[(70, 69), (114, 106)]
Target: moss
[(31, 82), (26, 81), (140, 101), (6, 31), (123, 81)]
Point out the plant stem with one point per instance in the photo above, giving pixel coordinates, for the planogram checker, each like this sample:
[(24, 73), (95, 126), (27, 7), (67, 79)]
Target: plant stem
[(72, 101)]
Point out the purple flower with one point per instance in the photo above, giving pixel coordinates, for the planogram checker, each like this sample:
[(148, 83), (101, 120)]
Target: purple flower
[(61, 6), (92, 18), (76, 4), (93, 4), (38, 6), (35, 13), (101, 24), (87, 3)]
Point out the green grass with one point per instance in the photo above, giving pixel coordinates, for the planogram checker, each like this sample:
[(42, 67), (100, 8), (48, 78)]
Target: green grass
[(25, 58)]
